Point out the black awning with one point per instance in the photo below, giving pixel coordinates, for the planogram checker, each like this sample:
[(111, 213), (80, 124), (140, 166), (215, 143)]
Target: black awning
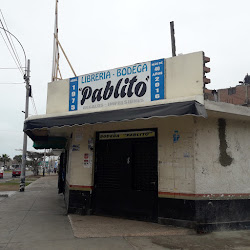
[(162, 110), (50, 142)]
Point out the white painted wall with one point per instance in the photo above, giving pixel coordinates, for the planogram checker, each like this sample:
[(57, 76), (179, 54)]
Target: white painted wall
[(176, 172), (190, 165), (58, 97), (175, 160), (210, 176), (183, 81), (184, 75), (78, 173)]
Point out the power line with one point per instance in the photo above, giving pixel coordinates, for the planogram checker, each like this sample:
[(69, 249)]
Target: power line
[(12, 83), (19, 44), (11, 43), (10, 52), (14, 48), (11, 68), (9, 130), (16, 59), (34, 105)]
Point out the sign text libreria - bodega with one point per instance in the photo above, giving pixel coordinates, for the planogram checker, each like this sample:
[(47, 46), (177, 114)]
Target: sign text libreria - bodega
[(135, 83)]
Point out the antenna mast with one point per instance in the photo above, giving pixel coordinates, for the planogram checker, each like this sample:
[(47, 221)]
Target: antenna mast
[(55, 65), (56, 73), (172, 39)]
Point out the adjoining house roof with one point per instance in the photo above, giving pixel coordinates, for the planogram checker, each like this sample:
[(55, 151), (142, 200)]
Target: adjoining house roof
[(227, 110), (163, 110)]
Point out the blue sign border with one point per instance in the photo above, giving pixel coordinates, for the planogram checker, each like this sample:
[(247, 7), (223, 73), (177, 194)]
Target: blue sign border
[(157, 80), (73, 94)]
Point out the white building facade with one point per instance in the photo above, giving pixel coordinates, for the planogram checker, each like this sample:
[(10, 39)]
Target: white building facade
[(140, 142)]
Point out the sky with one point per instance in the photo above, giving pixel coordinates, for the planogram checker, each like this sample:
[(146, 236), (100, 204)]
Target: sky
[(99, 35)]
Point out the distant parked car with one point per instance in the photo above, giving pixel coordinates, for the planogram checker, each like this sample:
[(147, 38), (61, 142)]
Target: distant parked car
[(1, 172), (16, 171)]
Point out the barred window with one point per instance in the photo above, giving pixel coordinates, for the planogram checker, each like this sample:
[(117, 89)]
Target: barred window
[(231, 91)]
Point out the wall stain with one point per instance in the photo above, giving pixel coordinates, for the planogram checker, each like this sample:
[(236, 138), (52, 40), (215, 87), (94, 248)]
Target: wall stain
[(225, 159)]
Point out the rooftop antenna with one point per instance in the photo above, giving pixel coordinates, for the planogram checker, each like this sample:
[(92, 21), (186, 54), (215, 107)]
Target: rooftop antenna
[(56, 73), (55, 66)]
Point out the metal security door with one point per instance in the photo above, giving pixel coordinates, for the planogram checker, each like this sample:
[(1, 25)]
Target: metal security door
[(126, 178), (145, 178), (111, 173)]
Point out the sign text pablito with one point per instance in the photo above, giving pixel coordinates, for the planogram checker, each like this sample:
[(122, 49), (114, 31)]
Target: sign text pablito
[(143, 82)]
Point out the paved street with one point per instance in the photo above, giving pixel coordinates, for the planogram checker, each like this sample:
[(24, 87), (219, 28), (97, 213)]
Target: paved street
[(2, 198), (37, 219), (8, 176)]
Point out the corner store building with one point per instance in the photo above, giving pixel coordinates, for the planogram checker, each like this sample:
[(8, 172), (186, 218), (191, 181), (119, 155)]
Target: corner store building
[(149, 147)]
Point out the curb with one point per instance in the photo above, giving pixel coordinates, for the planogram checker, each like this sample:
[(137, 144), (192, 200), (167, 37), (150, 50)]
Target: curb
[(4, 195)]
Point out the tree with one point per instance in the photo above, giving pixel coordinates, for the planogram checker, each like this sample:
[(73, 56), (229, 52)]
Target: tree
[(34, 158), (247, 79), (4, 158), (18, 158)]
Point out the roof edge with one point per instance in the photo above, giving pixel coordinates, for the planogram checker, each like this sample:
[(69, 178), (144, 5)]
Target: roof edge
[(229, 108)]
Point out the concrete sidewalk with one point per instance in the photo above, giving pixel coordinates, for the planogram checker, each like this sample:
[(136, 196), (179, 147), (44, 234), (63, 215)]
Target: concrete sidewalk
[(36, 219)]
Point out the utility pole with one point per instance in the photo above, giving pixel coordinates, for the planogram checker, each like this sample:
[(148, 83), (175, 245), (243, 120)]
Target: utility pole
[(44, 162), (172, 39), (27, 85)]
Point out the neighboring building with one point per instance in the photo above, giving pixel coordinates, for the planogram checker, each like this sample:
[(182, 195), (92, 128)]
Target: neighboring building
[(238, 95), (141, 142)]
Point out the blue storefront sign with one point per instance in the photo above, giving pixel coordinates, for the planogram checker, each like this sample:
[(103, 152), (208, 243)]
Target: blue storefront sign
[(157, 80), (73, 94), (133, 84)]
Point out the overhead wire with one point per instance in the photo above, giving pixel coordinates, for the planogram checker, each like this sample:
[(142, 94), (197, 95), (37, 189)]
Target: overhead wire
[(19, 44), (15, 57), (12, 83), (10, 52), (12, 43), (10, 130), (10, 68), (34, 105)]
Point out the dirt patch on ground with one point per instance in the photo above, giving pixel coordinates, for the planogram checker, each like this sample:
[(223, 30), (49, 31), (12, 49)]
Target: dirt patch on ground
[(14, 184), (100, 226), (32, 177), (225, 240), (6, 187)]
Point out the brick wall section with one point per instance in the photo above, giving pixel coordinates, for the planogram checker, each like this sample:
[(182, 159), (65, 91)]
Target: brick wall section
[(237, 98), (239, 95)]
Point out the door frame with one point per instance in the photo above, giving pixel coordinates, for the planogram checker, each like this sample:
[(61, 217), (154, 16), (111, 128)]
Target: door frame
[(97, 141)]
